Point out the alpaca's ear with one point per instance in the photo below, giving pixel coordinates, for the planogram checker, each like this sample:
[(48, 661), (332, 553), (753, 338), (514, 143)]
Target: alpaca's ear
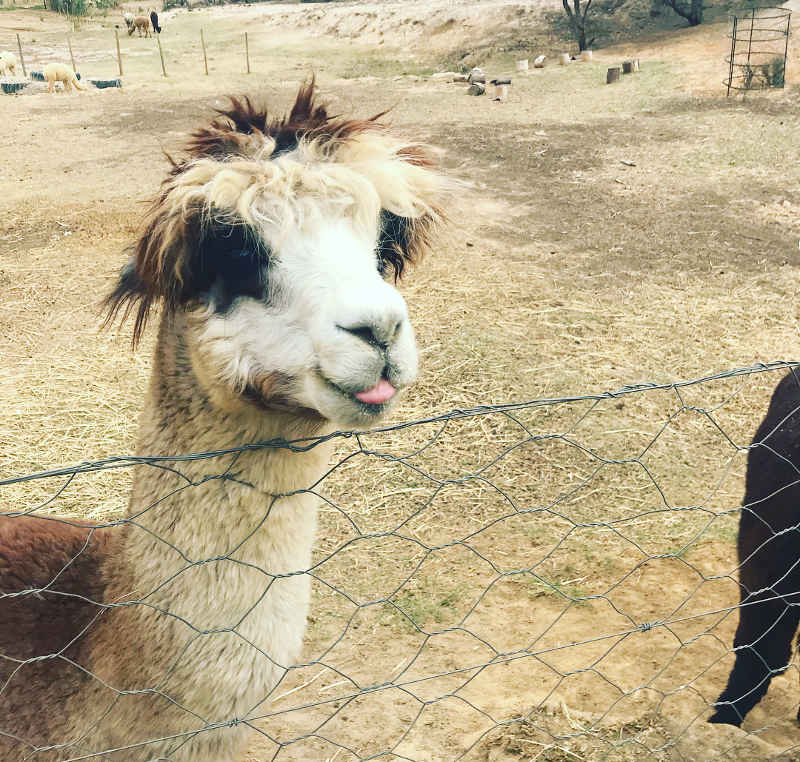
[(128, 290), (129, 281), (412, 220), (157, 271), (405, 240), (393, 242), (230, 134)]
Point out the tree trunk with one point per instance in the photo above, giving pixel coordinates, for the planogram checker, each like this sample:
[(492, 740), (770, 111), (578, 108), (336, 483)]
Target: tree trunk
[(577, 21), (693, 12)]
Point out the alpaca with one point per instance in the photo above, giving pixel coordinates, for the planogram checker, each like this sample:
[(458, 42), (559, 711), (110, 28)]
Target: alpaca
[(769, 556), (140, 23), (59, 72), (8, 64), (154, 21), (272, 250), (129, 19)]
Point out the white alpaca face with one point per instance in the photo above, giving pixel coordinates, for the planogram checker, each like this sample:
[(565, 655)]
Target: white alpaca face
[(274, 243), (305, 319)]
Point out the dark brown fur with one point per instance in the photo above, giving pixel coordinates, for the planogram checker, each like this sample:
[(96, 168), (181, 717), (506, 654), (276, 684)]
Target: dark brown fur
[(307, 120), (769, 558), (52, 591)]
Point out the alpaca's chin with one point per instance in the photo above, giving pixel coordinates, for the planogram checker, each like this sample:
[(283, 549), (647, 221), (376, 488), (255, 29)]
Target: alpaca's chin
[(342, 408)]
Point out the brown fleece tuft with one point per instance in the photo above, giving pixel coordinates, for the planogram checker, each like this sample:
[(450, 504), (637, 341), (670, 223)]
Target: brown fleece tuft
[(308, 119), (61, 562)]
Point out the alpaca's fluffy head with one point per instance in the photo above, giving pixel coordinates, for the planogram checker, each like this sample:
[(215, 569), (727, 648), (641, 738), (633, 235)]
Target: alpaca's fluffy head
[(276, 244)]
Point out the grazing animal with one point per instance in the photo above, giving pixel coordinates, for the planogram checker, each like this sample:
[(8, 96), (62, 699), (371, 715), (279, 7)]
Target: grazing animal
[(154, 21), (769, 556), (8, 64), (271, 250), (140, 23), (59, 72), (129, 19)]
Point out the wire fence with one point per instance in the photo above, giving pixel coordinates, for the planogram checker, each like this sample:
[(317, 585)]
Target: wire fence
[(551, 579), (759, 45), (103, 54)]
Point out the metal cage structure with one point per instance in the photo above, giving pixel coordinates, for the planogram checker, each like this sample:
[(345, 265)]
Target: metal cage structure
[(759, 45)]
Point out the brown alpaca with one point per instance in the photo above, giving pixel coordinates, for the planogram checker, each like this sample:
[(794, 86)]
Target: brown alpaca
[(140, 23), (271, 250)]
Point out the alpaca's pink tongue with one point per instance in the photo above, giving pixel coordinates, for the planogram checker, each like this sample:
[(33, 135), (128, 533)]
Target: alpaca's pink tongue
[(382, 392)]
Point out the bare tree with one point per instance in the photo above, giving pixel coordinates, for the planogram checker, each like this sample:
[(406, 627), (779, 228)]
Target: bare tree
[(577, 21), (691, 11)]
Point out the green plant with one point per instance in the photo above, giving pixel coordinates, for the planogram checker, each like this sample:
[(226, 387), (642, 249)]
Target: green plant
[(769, 74), (422, 608), (69, 7), (773, 73)]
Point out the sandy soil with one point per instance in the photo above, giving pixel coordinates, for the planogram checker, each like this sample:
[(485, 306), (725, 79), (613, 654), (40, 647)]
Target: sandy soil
[(602, 236)]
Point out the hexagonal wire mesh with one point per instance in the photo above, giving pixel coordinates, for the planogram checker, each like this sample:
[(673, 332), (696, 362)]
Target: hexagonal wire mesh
[(759, 44), (550, 579)]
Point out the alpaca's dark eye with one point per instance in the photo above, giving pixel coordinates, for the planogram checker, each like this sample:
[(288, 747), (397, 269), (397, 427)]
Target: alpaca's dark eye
[(232, 262)]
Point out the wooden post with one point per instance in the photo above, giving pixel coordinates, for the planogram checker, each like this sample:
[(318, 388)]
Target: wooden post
[(203, 43), (612, 75), (21, 59), (733, 53), (71, 57), (247, 52), (750, 43), (161, 53), (119, 55)]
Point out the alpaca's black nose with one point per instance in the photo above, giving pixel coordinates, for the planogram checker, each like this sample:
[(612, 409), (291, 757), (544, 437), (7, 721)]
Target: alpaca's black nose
[(380, 334)]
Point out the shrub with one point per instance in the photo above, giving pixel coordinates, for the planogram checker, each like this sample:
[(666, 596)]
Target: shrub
[(774, 72), (69, 7)]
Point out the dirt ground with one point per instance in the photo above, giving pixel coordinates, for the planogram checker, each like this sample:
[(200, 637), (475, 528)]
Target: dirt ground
[(602, 236)]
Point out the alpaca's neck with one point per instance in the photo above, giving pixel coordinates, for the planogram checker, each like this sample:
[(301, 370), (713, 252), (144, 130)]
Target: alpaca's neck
[(242, 509), (212, 561)]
